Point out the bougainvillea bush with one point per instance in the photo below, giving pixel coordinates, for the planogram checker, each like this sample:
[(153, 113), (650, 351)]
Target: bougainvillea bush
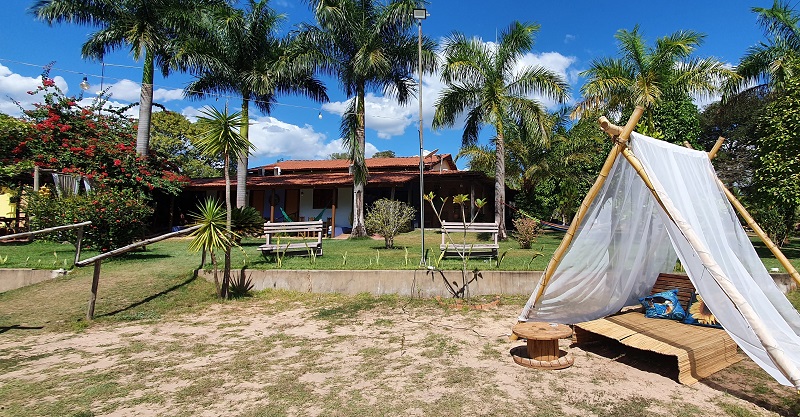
[(98, 144), (118, 216)]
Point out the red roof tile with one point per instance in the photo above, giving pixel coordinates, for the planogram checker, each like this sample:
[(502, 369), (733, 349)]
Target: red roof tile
[(331, 179), (409, 162)]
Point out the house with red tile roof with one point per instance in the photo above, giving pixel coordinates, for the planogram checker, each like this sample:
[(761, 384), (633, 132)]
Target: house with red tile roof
[(323, 189)]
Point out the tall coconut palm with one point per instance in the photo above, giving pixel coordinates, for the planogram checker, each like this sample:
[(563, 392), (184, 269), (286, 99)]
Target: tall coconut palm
[(642, 75), (147, 27), (766, 63), (244, 57), (368, 46), (221, 138), (488, 83)]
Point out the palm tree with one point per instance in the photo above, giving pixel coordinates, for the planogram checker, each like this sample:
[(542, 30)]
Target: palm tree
[(766, 63), (244, 57), (366, 45), (643, 75), (147, 27), (221, 138), (486, 82)]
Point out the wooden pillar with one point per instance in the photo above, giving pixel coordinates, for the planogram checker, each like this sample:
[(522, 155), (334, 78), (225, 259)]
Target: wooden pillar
[(171, 221), (471, 200), (35, 178), (333, 211), (93, 296), (272, 207)]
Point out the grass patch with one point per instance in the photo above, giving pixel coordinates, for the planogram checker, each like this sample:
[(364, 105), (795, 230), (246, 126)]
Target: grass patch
[(735, 410)]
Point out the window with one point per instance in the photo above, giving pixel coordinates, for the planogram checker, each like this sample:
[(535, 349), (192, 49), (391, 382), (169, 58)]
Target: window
[(323, 198)]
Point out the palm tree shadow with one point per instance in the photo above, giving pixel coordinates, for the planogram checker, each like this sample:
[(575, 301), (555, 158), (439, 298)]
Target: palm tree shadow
[(152, 297)]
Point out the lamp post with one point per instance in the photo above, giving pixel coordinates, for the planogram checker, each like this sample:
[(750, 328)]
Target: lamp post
[(420, 14)]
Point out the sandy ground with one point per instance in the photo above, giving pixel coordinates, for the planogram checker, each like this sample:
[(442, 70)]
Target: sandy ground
[(290, 358)]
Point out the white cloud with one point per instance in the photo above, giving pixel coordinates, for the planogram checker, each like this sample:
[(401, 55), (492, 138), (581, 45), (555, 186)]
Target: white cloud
[(192, 113), (273, 137), (14, 86), (163, 94), (130, 91), (569, 38), (383, 114), (555, 62)]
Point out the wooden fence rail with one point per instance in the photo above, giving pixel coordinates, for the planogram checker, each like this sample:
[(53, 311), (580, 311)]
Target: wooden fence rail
[(78, 226), (97, 261)]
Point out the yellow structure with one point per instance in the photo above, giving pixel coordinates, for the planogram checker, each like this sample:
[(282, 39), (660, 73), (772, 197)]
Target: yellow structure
[(7, 208)]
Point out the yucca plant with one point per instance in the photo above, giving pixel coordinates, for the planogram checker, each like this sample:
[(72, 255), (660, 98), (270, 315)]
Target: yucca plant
[(212, 234)]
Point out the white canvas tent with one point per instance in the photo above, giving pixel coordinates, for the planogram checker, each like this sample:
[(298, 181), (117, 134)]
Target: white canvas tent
[(660, 203)]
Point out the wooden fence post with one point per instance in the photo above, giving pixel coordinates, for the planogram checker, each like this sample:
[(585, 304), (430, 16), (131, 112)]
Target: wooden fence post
[(78, 245), (93, 297)]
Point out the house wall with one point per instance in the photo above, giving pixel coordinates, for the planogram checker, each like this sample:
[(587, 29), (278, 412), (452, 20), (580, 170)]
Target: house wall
[(344, 206), (6, 207)]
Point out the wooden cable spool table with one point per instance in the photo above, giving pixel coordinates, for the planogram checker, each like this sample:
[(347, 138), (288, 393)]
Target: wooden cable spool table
[(542, 350)]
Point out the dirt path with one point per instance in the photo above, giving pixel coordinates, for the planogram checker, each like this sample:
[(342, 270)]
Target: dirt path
[(283, 357)]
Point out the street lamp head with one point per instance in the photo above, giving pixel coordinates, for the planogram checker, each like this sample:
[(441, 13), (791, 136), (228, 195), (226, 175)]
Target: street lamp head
[(420, 14), (85, 84)]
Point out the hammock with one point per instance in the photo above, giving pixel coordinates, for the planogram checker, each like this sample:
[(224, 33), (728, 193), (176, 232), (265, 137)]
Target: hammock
[(289, 219)]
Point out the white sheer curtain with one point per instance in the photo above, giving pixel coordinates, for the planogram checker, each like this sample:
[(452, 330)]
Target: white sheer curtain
[(688, 179), (626, 239), (604, 268)]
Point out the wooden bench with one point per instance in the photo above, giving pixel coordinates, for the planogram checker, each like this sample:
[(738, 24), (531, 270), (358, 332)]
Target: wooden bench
[(700, 351), (454, 231), (301, 229)]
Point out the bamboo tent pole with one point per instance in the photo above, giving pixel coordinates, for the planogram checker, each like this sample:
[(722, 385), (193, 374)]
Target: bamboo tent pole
[(622, 135), (751, 222), (717, 145), (776, 251), (774, 351)]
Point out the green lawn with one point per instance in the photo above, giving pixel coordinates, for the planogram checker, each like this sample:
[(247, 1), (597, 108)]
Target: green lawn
[(338, 254)]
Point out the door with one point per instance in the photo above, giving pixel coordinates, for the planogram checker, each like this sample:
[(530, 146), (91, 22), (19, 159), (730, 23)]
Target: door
[(292, 203)]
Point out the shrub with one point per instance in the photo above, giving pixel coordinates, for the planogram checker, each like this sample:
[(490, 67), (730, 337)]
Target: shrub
[(527, 231), (387, 218), (247, 221), (118, 217)]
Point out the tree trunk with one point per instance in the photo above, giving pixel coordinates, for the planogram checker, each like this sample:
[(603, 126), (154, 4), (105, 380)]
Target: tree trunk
[(358, 189), (226, 272), (216, 276), (241, 168), (145, 106), (499, 186)]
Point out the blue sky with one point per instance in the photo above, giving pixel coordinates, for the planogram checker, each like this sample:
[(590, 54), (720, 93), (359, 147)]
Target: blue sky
[(572, 34)]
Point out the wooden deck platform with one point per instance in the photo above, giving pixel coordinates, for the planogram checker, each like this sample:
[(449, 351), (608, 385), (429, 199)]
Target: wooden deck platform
[(700, 351)]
